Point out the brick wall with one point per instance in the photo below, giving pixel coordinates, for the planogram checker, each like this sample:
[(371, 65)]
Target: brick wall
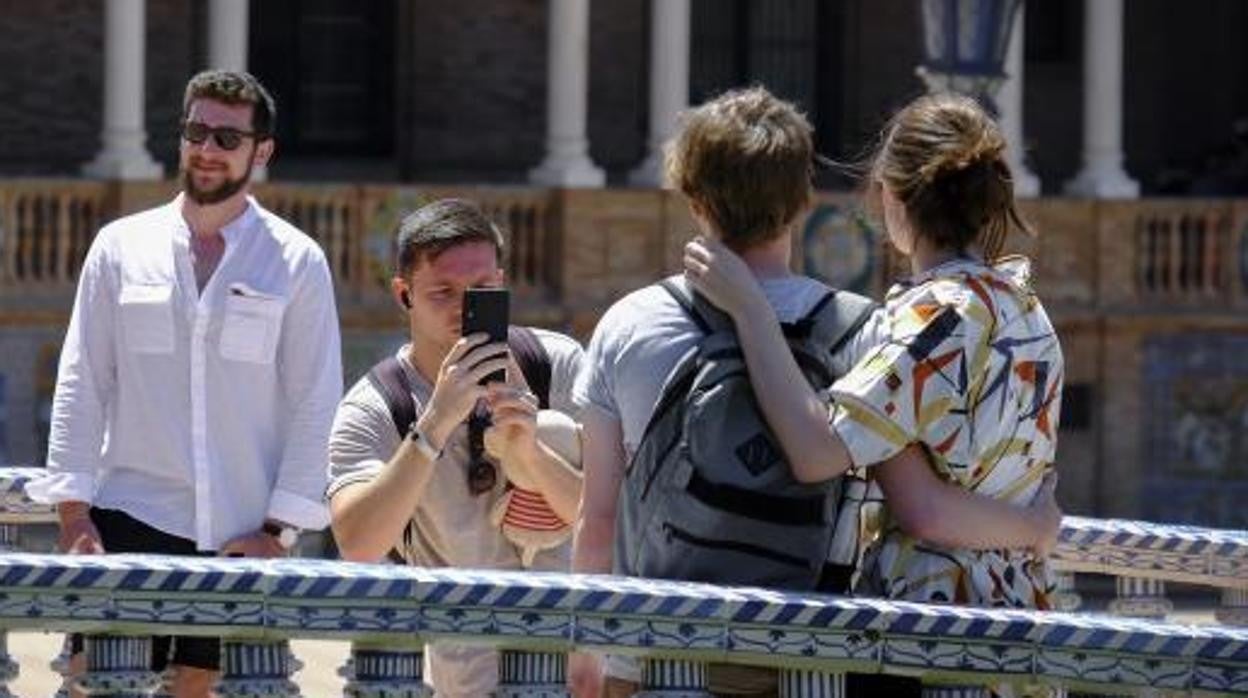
[(51, 81)]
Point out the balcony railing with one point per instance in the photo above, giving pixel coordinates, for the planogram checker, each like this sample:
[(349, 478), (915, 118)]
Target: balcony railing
[(390, 612), (45, 229), (570, 247)]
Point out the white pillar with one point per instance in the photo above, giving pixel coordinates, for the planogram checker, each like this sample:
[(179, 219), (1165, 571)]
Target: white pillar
[(227, 34), (123, 152), (1102, 175), (227, 46), (1010, 101), (567, 162), (669, 84)]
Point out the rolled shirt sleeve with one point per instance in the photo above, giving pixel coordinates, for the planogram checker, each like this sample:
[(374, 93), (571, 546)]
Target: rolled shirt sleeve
[(86, 380), (311, 365)]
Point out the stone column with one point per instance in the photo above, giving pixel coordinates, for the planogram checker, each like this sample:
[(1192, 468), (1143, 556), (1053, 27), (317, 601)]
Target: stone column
[(1010, 102), (532, 675), (123, 152), (118, 667), (669, 84), (1140, 597), (567, 162), (1102, 175), (227, 34), (811, 684), (259, 668), (377, 671), (673, 678)]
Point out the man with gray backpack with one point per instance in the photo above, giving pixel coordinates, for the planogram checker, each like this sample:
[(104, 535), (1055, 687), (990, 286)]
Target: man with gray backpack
[(684, 478)]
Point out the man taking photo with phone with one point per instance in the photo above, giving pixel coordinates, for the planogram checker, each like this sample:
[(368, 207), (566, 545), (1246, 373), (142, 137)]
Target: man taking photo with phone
[(417, 472)]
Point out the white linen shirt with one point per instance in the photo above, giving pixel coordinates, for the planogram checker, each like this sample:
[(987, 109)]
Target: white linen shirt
[(200, 414)]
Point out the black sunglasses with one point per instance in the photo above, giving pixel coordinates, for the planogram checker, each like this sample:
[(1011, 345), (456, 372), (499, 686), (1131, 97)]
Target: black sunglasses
[(226, 137), (482, 474)]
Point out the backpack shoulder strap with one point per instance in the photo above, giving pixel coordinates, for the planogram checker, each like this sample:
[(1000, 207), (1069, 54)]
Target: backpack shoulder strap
[(837, 317), (704, 314), (390, 381), (534, 361)]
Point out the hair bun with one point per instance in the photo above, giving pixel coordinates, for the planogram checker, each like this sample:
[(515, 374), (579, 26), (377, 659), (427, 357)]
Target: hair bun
[(983, 146)]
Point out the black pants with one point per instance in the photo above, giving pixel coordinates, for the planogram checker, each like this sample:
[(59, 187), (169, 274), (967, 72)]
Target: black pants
[(122, 533)]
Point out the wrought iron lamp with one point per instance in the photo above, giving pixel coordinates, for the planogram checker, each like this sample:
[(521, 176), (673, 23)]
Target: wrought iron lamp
[(964, 45)]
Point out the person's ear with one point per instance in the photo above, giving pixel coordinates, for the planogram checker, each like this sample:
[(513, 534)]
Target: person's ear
[(264, 152), (401, 293)]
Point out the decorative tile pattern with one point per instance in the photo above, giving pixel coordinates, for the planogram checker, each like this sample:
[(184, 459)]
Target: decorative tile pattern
[(238, 598), (683, 622), (1194, 394), (1125, 548), (1140, 549)]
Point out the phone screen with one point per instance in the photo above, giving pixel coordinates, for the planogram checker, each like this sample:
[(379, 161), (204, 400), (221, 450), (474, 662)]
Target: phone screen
[(487, 310)]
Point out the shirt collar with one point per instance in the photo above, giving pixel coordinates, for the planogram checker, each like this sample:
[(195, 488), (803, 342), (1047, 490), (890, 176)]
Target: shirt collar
[(230, 231)]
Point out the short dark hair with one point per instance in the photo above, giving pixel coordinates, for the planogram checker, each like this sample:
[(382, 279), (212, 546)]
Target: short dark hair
[(436, 227), (746, 157), (234, 87)]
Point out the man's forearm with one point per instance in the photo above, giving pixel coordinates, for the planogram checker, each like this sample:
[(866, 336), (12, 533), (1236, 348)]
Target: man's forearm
[(946, 514), (592, 551), (369, 517), (967, 520)]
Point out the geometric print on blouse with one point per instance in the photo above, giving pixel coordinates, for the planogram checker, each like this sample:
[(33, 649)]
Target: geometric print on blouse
[(973, 372)]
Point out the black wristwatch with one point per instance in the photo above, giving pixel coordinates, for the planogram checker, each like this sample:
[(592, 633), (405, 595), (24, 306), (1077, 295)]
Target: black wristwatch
[(286, 536)]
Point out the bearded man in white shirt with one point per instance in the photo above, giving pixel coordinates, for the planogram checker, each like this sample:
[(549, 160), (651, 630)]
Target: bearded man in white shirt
[(200, 370)]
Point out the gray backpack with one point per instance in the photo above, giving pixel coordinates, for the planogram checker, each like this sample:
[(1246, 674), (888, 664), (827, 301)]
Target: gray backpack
[(709, 495)]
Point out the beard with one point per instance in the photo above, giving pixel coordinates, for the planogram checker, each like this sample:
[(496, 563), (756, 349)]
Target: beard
[(214, 195)]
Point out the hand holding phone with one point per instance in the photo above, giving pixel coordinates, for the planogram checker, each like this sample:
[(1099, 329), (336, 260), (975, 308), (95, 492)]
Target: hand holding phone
[(487, 310)]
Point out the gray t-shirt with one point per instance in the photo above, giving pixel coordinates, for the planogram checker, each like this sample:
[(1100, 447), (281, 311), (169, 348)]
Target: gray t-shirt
[(452, 527), (643, 336)]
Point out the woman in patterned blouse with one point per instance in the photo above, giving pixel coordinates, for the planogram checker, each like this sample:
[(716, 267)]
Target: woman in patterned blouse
[(971, 372)]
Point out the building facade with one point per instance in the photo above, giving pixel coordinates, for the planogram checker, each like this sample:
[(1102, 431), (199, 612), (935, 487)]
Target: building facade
[(441, 91), (551, 111)]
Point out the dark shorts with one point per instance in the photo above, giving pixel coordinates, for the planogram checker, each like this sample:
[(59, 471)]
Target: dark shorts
[(122, 533)]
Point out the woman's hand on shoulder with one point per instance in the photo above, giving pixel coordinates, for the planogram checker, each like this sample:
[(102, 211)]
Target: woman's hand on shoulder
[(723, 277)]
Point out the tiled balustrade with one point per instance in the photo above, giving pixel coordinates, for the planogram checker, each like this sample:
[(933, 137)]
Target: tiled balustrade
[(390, 612)]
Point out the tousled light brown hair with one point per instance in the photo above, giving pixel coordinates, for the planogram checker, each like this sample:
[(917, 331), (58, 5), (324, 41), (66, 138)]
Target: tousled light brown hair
[(943, 157), (746, 159)]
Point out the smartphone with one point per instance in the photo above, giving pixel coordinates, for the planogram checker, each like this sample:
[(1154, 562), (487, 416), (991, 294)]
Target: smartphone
[(487, 310)]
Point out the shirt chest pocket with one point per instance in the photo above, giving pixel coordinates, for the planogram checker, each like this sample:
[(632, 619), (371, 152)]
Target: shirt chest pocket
[(251, 328), (147, 318)]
